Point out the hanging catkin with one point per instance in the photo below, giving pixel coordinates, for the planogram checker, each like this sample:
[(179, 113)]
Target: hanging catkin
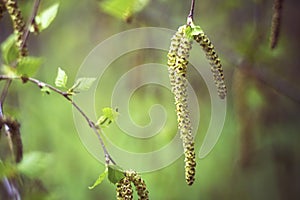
[(216, 67), (124, 187), (18, 25), (177, 62), (139, 184)]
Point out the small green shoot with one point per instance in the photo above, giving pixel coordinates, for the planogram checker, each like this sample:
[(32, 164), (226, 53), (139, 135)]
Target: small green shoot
[(61, 78), (109, 115)]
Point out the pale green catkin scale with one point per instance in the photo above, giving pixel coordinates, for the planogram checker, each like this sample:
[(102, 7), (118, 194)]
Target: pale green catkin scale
[(139, 183), (215, 63), (18, 24), (178, 61), (124, 189)]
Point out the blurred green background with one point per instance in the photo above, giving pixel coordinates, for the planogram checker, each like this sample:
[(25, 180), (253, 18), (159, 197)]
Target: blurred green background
[(256, 156)]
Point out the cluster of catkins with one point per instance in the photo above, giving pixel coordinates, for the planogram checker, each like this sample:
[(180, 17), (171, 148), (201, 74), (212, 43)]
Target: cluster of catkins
[(178, 55), (18, 23), (124, 187)]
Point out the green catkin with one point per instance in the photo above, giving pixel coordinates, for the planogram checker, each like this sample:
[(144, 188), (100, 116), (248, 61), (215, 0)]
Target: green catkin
[(124, 189), (216, 66), (139, 183), (177, 62), (18, 25)]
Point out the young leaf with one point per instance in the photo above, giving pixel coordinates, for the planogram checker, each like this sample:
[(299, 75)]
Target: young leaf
[(6, 170), (34, 163), (45, 90), (9, 49), (115, 173), (109, 115), (196, 30), (123, 9), (8, 70), (28, 66), (100, 179), (193, 30), (61, 78), (81, 84), (45, 18)]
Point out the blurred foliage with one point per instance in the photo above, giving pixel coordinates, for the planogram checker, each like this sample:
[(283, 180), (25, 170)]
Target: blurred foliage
[(257, 155)]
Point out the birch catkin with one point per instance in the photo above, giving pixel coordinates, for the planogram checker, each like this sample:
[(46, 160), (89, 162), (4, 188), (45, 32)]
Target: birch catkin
[(139, 184), (216, 66), (177, 62), (18, 24), (124, 187)]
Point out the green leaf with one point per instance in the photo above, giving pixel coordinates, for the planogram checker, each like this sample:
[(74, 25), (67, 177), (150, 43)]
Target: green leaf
[(45, 90), (61, 78), (115, 173), (123, 9), (196, 30), (82, 84), (100, 179), (34, 164), (28, 66), (109, 115), (46, 17), (9, 50), (139, 5), (193, 30), (188, 32), (6, 170), (9, 71)]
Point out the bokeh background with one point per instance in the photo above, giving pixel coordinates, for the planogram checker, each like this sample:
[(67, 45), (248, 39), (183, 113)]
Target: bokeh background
[(256, 156)]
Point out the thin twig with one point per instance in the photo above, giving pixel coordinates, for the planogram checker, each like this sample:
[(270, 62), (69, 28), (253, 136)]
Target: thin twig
[(276, 23), (4, 94), (66, 95), (11, 189), (8, 185), (30, 22), (191, 14)]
